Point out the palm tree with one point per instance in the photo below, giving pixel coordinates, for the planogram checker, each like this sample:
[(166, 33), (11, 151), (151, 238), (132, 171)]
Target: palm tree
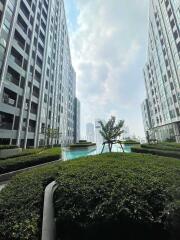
[(111, 131)]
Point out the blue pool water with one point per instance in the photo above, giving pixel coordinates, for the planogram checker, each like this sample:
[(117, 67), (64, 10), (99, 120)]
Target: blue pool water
[(73, 154)]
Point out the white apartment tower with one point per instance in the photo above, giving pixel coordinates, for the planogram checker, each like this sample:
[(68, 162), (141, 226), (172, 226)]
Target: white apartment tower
[(37, 79), (161, 109)]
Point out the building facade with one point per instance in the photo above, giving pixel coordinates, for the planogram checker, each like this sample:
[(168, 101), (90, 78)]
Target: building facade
[(77, 121), (161, 109), (98, 137), (90, 135), (37, 80)]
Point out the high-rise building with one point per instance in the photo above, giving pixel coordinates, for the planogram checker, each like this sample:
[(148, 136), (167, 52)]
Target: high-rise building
[(99, 139), (37, 80), (161, 110), (77, 121), (90, 132)]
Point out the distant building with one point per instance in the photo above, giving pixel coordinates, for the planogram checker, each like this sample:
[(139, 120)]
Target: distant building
[(90, 134), (98, 136), (126, 133), (77, 111), (161, 109)]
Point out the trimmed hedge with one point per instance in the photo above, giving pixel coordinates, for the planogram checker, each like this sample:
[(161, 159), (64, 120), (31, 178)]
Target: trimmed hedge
[(165, 153), (133, 196), (161, 147), (171, 144), (82, 145), (130, 142), (26, 152), (36, 157), (2, 147), (21, 204)]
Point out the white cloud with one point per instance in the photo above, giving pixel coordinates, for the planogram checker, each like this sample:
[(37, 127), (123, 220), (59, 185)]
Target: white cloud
[(108, 51)]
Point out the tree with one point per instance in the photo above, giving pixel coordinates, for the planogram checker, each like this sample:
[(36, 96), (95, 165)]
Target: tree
[(111, 131)]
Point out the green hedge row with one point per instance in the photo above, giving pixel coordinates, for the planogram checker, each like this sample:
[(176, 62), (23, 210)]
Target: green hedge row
[(79, 145), (132, 196), (130, 142), (21, 204), (161, 147), (2, 147), (171, 144), (26, 152), (165, 153), (37, 157)]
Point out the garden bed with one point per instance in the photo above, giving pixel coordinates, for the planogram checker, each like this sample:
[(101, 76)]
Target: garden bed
[(31, 158), (158, 149), (6, 153), (112, 195), (82, 144)]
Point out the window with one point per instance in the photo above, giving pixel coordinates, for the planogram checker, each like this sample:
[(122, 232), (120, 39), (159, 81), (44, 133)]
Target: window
[(22, 24), (45, 98), (12, 76), (6, 121), (9, 97), (24, 10)]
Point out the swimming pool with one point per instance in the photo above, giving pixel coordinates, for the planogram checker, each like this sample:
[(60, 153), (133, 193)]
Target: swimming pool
[(68, 154)]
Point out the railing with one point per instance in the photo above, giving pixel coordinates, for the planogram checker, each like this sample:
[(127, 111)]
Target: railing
[(16, 60), (10, 78), (22, 27), (31, 129), (9, 101), (5, 125), (20, 43)]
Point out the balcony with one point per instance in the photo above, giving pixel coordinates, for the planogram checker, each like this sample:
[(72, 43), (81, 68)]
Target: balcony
[(21, 23), (19, 40), (34, 108), (16, 57), (9, 97), (35, 92), (12, 76), (6, 121), (32, 126)]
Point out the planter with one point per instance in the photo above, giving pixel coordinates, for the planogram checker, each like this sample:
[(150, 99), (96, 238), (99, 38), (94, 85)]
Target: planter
[(6, 153)]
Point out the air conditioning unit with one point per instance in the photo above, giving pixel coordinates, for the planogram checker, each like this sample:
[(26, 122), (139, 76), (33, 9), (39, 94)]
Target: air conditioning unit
[(11, 101)]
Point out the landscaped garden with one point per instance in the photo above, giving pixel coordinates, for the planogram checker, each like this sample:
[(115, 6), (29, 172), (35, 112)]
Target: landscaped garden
[(28, 158), (82, 144), (132, 196), (167, 149)]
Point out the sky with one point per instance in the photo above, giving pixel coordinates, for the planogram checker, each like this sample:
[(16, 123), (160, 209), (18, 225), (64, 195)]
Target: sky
[(108, 40)]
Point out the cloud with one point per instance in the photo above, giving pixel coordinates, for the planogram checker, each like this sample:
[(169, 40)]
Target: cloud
[(108, 50)]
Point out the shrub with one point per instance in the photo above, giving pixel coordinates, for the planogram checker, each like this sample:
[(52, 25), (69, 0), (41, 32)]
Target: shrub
[(37, 157), (165, 153), (130, 142), (21, 204), (26, 152), (97, 198), (110, 195), (161, 147), (2, 147), (81, 145)]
